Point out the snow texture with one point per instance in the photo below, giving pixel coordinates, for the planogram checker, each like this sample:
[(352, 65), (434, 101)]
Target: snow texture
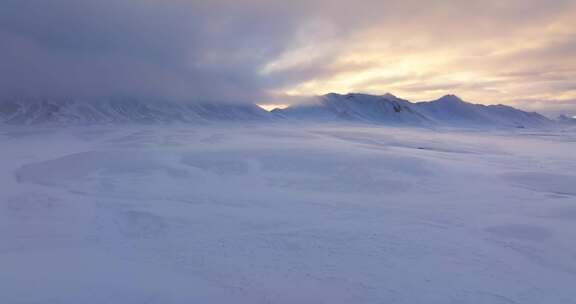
[(284, 213)]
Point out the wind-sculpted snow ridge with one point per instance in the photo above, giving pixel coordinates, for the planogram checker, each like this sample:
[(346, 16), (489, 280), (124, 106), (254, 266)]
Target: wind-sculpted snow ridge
[(389, 109), (72, 111)]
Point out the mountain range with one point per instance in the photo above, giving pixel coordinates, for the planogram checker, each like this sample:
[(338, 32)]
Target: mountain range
[(387, 109), (125, 110)]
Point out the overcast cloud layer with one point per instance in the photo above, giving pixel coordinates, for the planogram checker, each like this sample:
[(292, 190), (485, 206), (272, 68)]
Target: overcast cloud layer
[(520, 52)]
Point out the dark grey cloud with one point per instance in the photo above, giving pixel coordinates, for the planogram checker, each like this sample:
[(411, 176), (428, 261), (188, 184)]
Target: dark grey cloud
[(178, 49)]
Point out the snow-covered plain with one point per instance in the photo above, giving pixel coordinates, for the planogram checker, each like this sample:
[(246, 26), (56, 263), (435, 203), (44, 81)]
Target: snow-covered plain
[(273, 213)]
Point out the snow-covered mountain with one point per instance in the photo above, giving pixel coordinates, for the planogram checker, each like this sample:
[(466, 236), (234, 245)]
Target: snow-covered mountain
[(358, 107), (389, 109), (385, 109), (114, 110), (563, 119), (452, 110)]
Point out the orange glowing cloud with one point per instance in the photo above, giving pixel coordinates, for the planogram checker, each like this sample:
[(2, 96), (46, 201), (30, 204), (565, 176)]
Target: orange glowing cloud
[(485, 51)]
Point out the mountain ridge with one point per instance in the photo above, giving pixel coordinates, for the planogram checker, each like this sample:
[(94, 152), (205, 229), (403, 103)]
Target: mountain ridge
[(122, 111), (448, 110), (388, 109)]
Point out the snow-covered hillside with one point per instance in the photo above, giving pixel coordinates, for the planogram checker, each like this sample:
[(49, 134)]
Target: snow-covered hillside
[(563, 119), (309, 213), (359, 107), (115, 110), (450, 109), (388, 109)]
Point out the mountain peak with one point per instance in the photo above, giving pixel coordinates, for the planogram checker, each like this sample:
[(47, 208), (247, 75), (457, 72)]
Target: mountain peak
[(332, 94), (450, 98), (390, 96)]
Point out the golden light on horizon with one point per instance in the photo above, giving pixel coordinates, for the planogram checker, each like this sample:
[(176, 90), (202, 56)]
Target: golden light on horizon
[(271, 106), (513, 65)]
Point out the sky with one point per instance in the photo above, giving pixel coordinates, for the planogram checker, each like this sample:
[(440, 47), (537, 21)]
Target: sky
[(516, 52)]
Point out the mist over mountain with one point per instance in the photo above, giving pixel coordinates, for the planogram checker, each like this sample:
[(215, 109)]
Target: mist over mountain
[(122, 111), (246, 151), (387, 109)]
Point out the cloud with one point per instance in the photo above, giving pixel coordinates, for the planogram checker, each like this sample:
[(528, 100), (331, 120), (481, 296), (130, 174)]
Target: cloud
[(256, 50), (550, 107), (178, 49)]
